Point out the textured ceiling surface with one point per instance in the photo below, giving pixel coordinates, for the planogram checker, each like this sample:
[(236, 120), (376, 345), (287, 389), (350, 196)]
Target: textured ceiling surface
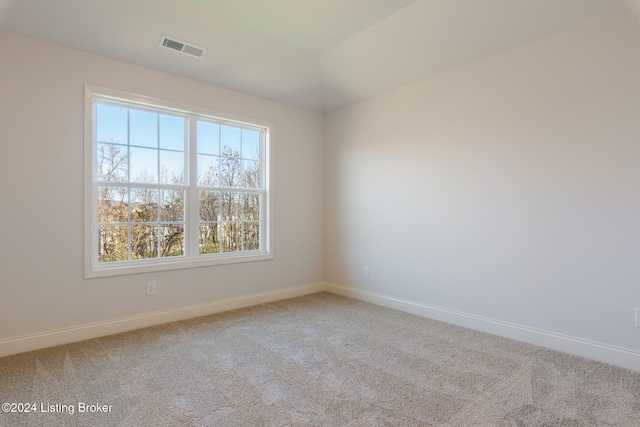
[(316, 54)]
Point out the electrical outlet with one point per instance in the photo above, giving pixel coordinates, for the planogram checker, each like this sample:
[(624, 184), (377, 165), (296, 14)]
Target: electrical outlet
[(151, 288), (638, 317), (365, 272)]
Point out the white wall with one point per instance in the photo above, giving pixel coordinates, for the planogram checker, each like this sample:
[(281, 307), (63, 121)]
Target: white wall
[(41, 191), (634, 7), (506, 189)]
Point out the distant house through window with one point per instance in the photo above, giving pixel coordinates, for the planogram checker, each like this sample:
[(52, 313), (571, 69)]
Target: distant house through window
[(172, 186)]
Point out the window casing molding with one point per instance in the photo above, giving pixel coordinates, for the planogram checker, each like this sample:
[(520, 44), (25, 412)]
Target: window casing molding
[(192, 246)]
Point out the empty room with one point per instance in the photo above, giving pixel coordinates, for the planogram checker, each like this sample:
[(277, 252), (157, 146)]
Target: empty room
[(320, 212)]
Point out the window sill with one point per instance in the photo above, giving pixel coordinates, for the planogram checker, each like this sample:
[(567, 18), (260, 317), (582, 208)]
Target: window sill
[(151, 266)]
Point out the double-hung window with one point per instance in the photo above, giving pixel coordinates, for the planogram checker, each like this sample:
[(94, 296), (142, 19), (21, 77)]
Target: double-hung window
[(169, 186)]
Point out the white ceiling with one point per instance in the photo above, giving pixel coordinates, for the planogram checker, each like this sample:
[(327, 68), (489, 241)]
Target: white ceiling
[(317, 54)]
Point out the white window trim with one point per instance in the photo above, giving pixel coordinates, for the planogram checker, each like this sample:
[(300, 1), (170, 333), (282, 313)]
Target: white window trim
[(94, 269)]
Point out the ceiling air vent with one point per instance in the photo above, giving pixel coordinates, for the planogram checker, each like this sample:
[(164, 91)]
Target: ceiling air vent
[(176, 45)]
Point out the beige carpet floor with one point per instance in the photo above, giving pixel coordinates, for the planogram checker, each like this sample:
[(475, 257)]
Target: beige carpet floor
[(318, 360)]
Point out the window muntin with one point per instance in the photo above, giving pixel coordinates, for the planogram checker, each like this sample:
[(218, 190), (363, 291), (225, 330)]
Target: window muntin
[(154, 164)]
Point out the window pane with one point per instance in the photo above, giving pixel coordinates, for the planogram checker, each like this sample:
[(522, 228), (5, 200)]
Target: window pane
[(172, 240), (208, 138), (143, 129), (208, 170), (230, 172), (172, 132), (143, 179), (252, 206), (209, 205), (209, 239), (231, 236), (230, 141), (171, 167), (251, 236), (144, 205), (112, 243), (112, 204), (172, 205), (250, 174), (250, 144), (231, 206), (112, 162), (144, 165), (144, 241), (111, 124)]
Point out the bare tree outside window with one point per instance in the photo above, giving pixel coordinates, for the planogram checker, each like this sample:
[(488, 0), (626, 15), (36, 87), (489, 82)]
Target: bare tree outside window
[(230, 220)]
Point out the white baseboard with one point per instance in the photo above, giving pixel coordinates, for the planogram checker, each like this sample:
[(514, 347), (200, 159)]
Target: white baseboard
[(612, 355), (94, 330), (584, 348)]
